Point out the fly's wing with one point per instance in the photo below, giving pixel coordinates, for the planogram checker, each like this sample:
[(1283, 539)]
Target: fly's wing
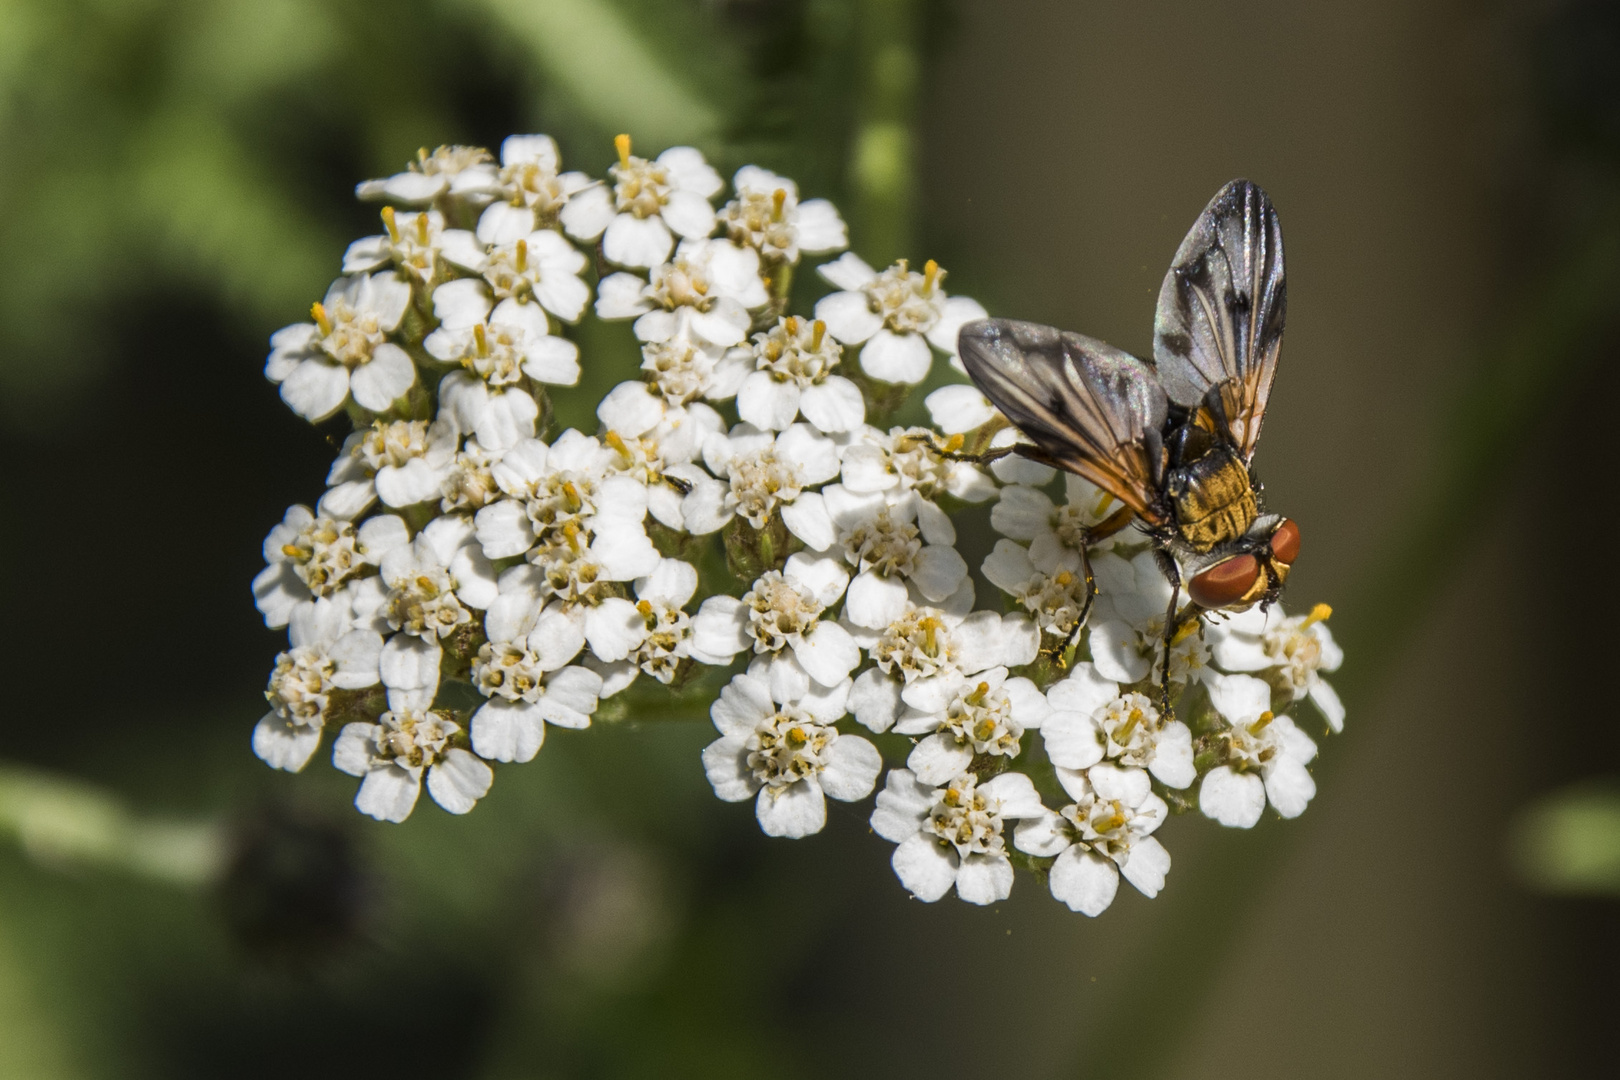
[(1220, 318), (1095, 410)]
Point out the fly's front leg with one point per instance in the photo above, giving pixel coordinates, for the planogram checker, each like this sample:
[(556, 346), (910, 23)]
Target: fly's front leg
[(1172, 573), (1066, 650)]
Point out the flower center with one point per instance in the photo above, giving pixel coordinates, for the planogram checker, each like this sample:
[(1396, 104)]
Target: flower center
[(469, 485), (779, 612), (425, 604), (1103, 825), (883, 544), (797, 350), (982, 718), (966, 819), (512, 270), (681, 283), (762, 220), (560, 499), (918, 644), (664, 647), (495, 352), (788, 747), (908, 302), (680, 368), (300, 684), (393, 443), (348, 336), (758, 482), (413, 739), (449, 160), (913, 459), (1131, 724), (508, 670), (324, 555), (640, 187), (531, 184)]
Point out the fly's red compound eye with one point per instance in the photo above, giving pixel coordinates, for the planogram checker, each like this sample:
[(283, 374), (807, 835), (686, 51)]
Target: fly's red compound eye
[(1225, 583), (1285, 542)]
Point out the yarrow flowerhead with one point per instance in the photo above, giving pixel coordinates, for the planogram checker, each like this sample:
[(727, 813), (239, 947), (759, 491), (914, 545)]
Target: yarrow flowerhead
[(730, 536)]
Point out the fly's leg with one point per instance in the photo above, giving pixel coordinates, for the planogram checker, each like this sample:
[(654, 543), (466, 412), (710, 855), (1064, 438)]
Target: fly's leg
[(1167, 567), (978, 459), (1066, 651)]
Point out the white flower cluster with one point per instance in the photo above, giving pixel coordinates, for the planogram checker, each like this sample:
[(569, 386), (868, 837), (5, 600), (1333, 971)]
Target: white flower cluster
[(468, 579)]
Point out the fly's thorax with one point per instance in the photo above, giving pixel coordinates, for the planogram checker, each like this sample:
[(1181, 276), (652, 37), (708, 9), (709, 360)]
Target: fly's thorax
[(1213, 498)]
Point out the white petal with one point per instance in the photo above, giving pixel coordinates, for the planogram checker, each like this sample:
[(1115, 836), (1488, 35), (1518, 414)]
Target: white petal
[(409, 663), (825, 577), (788, 680), (926, 867), (637, 242), (827, 653), (939, 573), (851, 769), (1147, 865), (1114, 652), (613, 628), (849, 317), (834, 405), (984, 879), (1072, 739), (504, 529), (1326, 700), (507, 731), (902, 806), (1172, 760), (1239, 698), (875, 601), (1022, 513), (1231, 798), (1016, 793), (1289, 786), (896, 358), (386, 376), (572, 695), (795, 811), (957, 310), (939, 758), (1128, 786), (1084, 691), (806, 517), (459, 781), (767, 403), (588, 213), (820, 229), (316, 389), (284, 745), (1046, 835), (351, 753), (875, 699), (956, 409), (725, 764), (718, 630), (688, 214), (388, 793), (1085, 882), (414, 482), (848, 271), (704, 509)]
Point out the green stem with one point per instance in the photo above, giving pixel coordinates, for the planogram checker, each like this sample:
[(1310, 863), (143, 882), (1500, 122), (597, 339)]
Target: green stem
[(1175, 971)]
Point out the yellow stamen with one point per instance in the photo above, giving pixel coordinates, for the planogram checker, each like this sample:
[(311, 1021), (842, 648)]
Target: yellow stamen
[(292, 551), (318, 311), (1260, 725), (1109, 823), (818, 330), (1186, 630), (571, 493), (954, 443), (978, 695), (389, 224), (930, 275), (621, 143), (778, 199), (792, 326), (1130, 725), (522, 260), (571, 534), (1319, 613), (481, 339), (930, 642), (422, 228), (617, 442), (1064, 578), (421, 156)]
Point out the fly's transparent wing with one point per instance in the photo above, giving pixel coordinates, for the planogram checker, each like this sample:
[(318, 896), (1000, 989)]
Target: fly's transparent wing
[(1220, 317), (1091, 408)]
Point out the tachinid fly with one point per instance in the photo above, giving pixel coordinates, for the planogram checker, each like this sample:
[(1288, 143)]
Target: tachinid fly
[(1173, 437)]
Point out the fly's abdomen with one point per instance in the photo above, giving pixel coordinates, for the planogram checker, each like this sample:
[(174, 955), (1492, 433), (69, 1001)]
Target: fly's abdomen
[(1213, 499)]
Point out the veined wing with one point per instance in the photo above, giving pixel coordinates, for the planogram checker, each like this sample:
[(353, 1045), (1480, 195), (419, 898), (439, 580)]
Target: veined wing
[(1091, 408), (1220, 317)]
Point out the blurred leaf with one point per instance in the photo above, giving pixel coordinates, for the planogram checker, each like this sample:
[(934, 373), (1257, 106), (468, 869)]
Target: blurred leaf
[(1569, 842)]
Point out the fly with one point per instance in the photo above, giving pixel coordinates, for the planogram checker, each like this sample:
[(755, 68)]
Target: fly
[(1173, 438)]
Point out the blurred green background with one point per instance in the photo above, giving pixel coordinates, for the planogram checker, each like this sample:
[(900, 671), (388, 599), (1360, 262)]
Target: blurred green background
[(176, 177)]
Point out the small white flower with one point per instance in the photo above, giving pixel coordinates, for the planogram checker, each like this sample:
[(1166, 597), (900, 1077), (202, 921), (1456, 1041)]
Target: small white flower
[(983, 715), (706, 292), (1127, 623), (890, 545), (530, 193), (411, 243), (649, 200), (780, 618), (660, 598), (435, 579), (923, 656), (308, 556), (790, 754), (469, 483), (1055, 601), (895, 316), (401, 462), (762, 474), (531, 683), (449, 169), (1265, 757), (392, 755), (1056, 534), (345, 350), (1293, 649), (326, 655), (1092, 721), (909, 459), (767, 216), (793, 364), (655, 442), (952, 835), (1105, 832)]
